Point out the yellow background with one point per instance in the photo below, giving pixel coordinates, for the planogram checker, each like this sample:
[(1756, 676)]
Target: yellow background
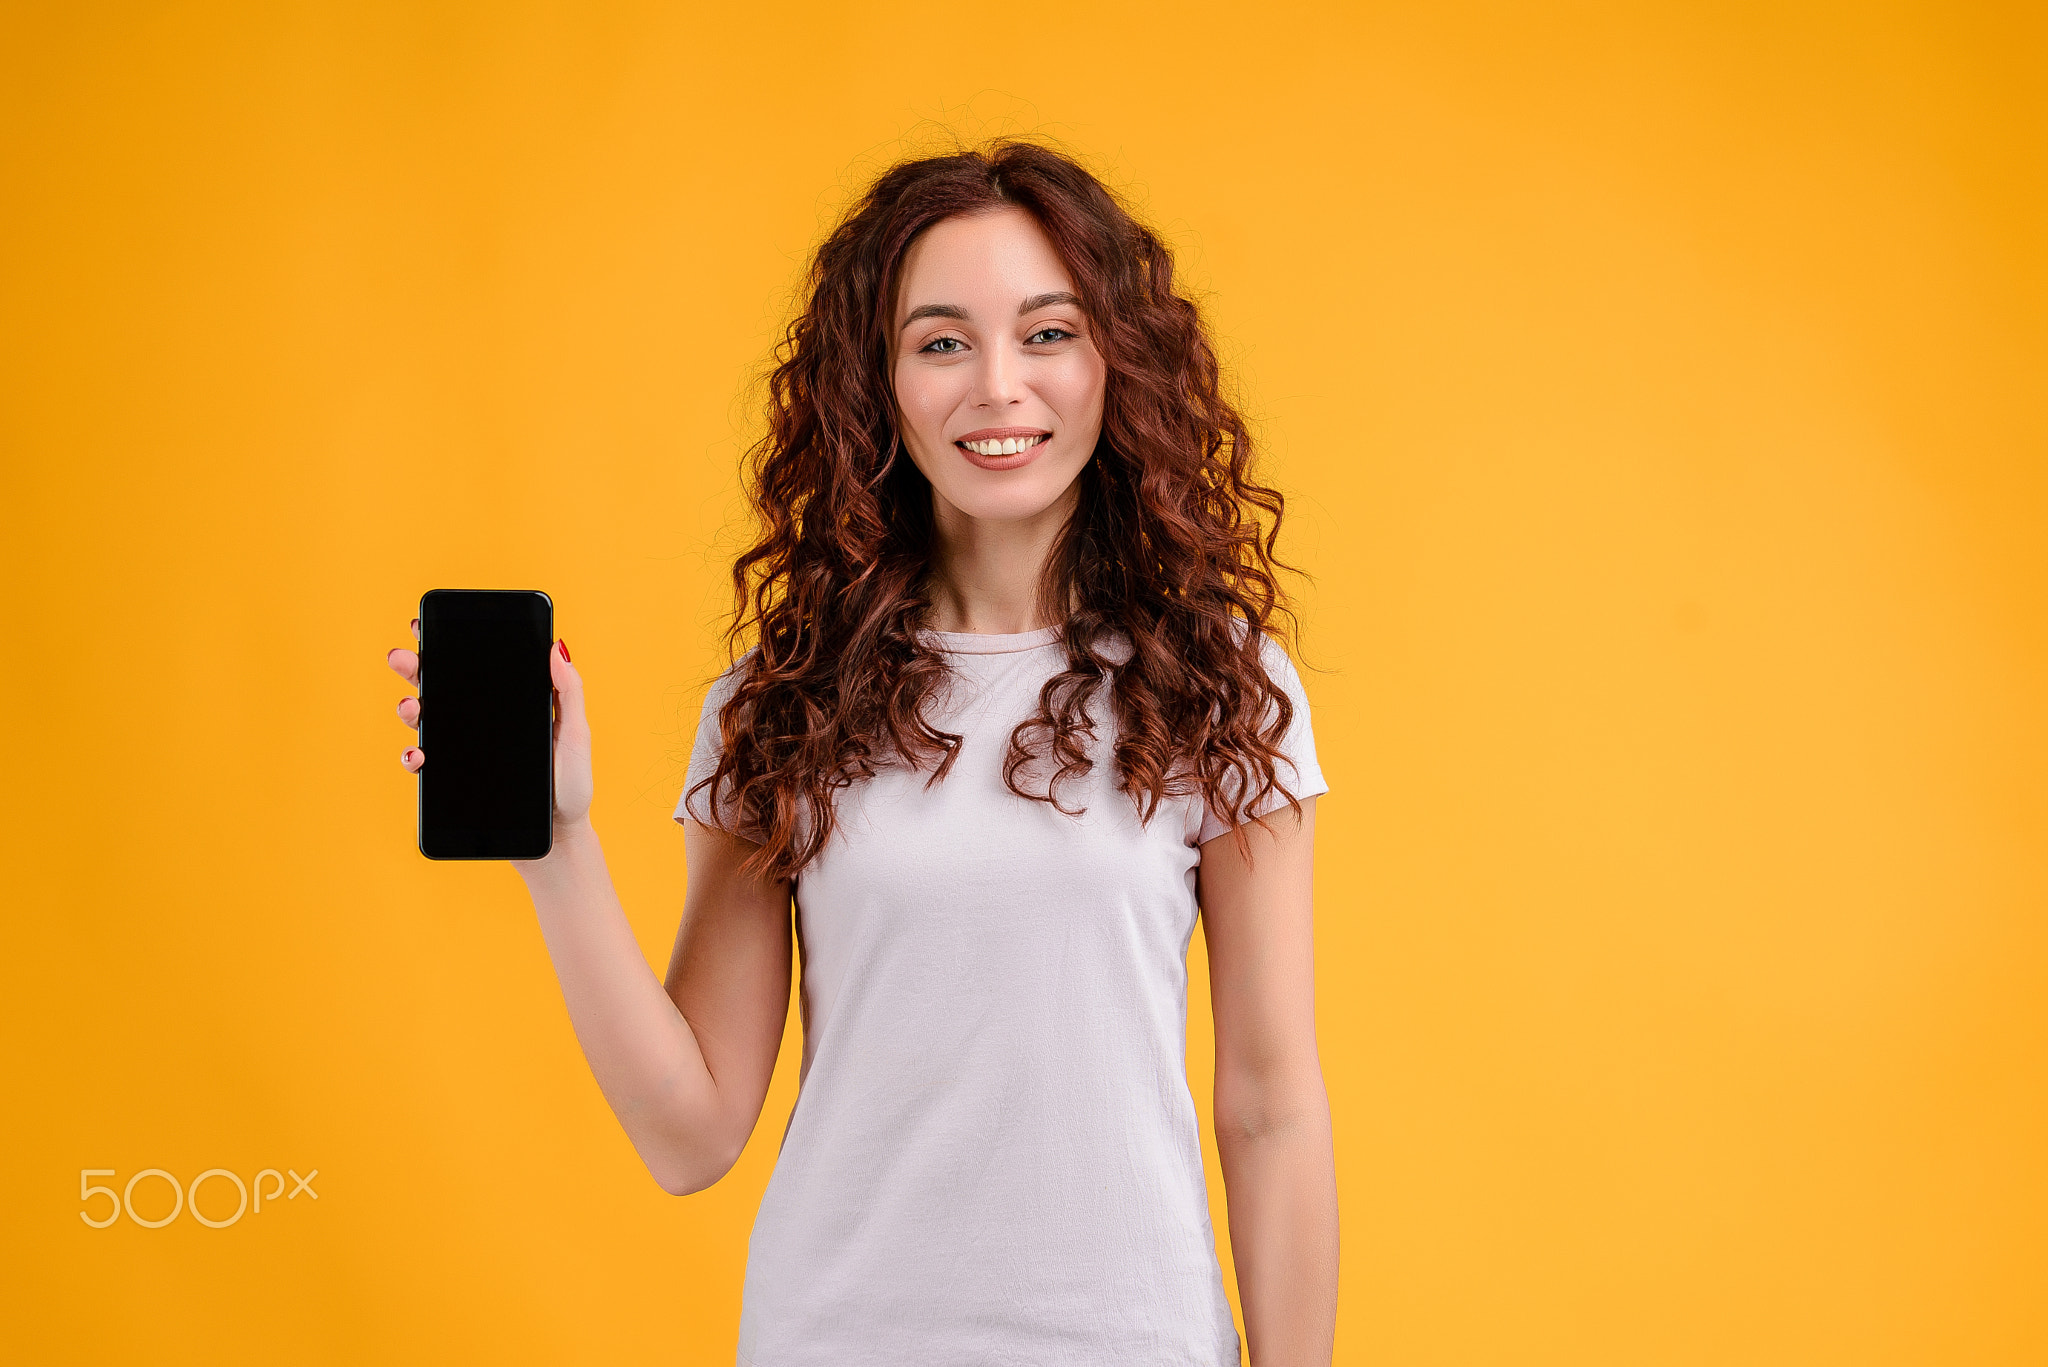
[(1659, 390)]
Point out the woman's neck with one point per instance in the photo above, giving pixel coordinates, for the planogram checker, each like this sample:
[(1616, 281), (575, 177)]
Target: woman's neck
[(987, 575)]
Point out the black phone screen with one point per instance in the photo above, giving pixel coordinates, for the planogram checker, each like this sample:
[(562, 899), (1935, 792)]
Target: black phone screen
[(486, 724)]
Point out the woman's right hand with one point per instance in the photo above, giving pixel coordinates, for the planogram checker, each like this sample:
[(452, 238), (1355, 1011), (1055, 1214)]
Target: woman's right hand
[(573, 783)]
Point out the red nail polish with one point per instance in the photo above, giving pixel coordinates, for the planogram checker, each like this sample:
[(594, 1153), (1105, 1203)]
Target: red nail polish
[(565, 648)]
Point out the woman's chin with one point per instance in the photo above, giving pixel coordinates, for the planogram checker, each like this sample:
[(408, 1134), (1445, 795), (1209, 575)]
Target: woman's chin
[(1008, 495), (1006, 505)]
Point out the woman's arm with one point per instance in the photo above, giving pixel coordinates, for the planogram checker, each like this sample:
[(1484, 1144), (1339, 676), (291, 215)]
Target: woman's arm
[(1272, 1113), (685, 1066)]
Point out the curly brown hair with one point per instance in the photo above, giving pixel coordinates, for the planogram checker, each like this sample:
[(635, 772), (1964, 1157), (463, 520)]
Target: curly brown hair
[(1171, 546)]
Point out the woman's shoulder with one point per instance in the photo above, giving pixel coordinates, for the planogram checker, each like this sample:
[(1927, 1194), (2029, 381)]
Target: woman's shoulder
[(728, 682)]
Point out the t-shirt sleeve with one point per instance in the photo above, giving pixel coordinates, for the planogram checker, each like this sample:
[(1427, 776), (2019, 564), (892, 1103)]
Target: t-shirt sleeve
[(704, 755), (1296, 770)]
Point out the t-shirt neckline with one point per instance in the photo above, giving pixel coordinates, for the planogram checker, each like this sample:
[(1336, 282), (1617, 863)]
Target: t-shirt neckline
[(976, 643)]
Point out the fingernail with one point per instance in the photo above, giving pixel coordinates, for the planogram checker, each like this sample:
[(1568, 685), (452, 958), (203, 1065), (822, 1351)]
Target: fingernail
[(565, 648)]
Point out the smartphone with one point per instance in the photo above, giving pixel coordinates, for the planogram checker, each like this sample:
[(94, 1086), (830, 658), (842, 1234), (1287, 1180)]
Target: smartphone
[(487, 720)]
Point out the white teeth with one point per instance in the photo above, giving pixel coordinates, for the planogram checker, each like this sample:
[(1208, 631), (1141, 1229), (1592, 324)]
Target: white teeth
[(1006, 446)]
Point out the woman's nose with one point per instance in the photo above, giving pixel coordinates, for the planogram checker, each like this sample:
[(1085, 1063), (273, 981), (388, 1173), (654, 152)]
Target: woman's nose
[(1002, 378)]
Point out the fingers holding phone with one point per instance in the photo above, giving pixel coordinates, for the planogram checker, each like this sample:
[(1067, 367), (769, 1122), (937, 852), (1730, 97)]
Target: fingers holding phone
[(407, 665)]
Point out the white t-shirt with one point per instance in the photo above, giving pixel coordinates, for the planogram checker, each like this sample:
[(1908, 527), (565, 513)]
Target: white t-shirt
[(993, 1158)]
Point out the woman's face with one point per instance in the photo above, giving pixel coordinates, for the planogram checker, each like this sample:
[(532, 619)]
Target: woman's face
[(998, 382)]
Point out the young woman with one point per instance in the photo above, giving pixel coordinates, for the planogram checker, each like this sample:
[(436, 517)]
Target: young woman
[(1013, 712)]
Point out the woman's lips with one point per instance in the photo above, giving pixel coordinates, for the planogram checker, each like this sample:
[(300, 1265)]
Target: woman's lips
[(1003, 448)]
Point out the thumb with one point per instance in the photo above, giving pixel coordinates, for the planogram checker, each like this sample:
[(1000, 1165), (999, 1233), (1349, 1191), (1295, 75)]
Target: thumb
[(568, 683)]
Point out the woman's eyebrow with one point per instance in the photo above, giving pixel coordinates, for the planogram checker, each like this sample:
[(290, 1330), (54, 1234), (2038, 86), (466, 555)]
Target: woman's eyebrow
[(1046, 301), (1031, 305), (936, 311)]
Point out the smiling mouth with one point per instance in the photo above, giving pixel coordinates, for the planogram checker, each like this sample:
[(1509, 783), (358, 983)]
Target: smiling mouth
[(1005, 446)]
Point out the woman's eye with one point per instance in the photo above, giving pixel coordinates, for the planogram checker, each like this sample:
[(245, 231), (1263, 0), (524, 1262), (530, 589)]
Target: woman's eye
[(945, 346), (1048, 335)]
